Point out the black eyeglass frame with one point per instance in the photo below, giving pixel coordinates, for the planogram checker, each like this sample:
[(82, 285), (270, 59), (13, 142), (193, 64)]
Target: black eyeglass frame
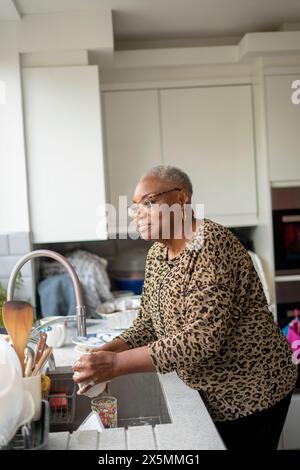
[(147, 201)]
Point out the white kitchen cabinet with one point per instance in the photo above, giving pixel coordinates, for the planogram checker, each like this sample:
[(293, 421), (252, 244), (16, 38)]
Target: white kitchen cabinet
[(291, 430), (64, 153), (132, 141), (208, 132), (283, 127)]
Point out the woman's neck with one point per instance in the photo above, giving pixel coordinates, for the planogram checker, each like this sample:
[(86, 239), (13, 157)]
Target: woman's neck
[(176, 245)]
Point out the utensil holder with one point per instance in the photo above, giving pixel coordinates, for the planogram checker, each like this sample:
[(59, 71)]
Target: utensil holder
[(33, 385)]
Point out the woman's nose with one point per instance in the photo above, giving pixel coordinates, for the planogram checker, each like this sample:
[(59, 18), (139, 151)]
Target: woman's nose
[(137, 215), (140, 213)]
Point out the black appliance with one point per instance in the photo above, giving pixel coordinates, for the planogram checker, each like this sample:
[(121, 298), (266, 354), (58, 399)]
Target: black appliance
[(286, 227)]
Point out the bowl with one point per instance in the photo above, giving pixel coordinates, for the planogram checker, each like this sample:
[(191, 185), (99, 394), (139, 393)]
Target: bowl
[(118, 320)]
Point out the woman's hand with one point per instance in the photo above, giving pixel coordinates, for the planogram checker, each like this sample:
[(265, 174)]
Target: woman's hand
[(95, 367), (102, 366)]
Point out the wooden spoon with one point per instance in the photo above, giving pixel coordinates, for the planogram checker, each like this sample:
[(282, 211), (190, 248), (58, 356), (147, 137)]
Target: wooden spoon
[(18, 319)]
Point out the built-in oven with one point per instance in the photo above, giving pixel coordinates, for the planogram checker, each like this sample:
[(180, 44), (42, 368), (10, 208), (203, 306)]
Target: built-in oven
[(288, 299), (286, 227), (286, 224)]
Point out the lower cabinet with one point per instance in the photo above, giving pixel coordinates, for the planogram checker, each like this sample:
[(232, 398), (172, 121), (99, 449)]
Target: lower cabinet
[(290, 438)]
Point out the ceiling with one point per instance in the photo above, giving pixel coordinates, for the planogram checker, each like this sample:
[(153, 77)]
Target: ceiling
[(140, 20)]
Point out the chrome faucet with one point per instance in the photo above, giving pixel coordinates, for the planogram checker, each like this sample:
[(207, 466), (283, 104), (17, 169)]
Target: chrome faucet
[(80, 308)]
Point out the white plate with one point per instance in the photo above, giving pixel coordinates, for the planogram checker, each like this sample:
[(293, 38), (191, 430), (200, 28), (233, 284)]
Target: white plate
[(94, 342), (106, 337), (88, 342)]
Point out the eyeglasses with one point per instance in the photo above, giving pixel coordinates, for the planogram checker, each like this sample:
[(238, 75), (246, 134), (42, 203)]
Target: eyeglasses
[(148, 202)]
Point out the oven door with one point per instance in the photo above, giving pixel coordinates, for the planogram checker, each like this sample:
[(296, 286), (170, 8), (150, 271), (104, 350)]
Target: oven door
[(286, 225)]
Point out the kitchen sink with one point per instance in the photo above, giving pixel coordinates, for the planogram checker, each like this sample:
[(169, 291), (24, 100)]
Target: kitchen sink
[(139, 396)]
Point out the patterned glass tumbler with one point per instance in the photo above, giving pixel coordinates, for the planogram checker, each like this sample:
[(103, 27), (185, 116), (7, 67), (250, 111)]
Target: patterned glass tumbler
[(106, 407)]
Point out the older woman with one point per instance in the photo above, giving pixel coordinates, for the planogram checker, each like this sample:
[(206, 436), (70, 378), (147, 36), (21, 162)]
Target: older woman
[(204, 315)]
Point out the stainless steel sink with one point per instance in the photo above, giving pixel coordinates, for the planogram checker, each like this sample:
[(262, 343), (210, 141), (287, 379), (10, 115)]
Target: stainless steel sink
[(140, 401)]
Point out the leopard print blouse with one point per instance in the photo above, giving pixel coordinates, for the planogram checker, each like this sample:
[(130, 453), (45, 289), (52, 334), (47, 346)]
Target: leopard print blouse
[(204, 315)]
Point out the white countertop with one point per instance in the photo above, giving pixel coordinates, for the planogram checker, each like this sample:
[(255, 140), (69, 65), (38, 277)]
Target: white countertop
[(191, 426)]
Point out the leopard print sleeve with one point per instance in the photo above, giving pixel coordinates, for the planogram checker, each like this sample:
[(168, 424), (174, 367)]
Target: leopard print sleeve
[(207, 312), (141, 332)]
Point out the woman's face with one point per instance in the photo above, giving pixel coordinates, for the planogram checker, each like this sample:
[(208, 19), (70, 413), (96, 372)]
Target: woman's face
[(153, 218)]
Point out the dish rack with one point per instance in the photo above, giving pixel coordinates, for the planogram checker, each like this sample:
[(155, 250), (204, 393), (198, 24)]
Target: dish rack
[(33, 435), (61, 398)]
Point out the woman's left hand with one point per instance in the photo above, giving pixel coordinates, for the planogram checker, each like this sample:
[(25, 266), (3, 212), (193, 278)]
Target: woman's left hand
[(95, 367)]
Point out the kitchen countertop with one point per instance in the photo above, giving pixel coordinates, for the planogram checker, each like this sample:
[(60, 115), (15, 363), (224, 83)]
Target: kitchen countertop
[(191, 426)]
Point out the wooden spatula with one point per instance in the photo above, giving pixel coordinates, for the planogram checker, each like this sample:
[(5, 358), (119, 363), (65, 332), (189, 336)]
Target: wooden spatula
[(18, 319)]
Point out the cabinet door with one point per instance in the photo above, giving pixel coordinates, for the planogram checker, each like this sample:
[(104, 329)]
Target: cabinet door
[(283, 118), (132, 141), (64, 152), (290, 433), (208, 132)]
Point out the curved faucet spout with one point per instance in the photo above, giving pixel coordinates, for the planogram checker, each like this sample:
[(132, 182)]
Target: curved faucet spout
[(80, 308)]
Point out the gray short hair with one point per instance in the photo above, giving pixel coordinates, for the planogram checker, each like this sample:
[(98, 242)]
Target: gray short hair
[(172, 174)]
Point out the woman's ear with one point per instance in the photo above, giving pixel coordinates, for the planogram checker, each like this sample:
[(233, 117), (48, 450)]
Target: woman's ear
[(184, 197)]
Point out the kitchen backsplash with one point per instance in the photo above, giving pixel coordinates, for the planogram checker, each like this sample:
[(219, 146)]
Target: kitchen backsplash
[(15, 245), (108, 249), (12, 247)]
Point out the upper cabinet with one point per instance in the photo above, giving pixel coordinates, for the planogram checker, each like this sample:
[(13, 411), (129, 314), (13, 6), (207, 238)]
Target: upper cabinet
[(64, 153), (208, 132), (132, 142), (283, 125)]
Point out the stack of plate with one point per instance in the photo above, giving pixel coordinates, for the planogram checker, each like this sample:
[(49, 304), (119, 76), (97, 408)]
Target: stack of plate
[(118, 314)]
